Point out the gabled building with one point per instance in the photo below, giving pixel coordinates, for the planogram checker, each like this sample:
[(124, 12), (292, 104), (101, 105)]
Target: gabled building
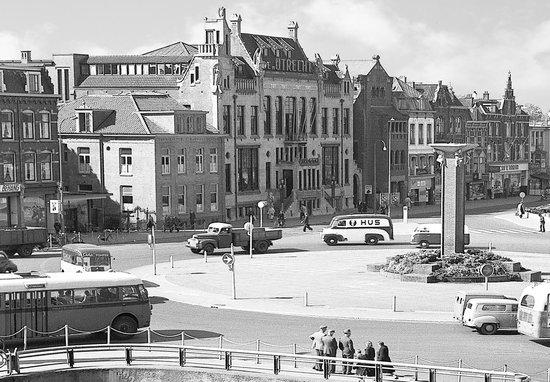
[(380, 139), (421, 134), (131, 155), (29, 144)]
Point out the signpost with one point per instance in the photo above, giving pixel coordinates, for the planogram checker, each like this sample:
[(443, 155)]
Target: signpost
[(522, 195), (151, 242), (486, 270), (229, 260), (249, 227)]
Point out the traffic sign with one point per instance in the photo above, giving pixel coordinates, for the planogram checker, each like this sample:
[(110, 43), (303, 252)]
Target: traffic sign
[(228, 259), (368, 189), (248, 227), (487, 270), (522, 194), (262, 204), (55, 206)]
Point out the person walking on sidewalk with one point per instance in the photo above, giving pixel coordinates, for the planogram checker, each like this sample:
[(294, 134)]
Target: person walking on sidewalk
[(542, 223), (348, 351), (330, 346), (305, 222), (317, 345)]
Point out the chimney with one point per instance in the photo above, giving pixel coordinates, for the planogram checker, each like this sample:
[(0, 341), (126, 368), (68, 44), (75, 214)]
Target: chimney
[(486, 95), (293, 30), (440, 83), (25, 56), (236, 24)]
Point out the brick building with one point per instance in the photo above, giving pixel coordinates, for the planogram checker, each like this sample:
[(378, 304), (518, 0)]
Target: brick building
[(29, 146), (539, 166), (131, 155), (379, 135)]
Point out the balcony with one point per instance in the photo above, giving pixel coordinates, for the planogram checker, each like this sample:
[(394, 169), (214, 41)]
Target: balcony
[(209, 49), (245, 85)]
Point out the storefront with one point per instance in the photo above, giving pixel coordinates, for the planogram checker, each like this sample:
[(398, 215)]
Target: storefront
[(476, 190), (25, 206), (10, 205), (421, 190), (508, 179)]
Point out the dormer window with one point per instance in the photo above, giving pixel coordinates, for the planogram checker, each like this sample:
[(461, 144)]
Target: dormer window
[(85, 121), (34, 83)]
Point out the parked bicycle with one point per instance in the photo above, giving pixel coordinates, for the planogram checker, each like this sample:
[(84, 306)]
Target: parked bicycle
[(106, 236)]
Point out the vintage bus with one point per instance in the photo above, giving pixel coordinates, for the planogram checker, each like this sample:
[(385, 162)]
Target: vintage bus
[(534, 311), (86, 301), (425, 235), (84, 258), (358, 228)]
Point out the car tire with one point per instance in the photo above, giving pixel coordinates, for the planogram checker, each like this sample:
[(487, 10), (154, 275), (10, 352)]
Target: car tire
[(424, 244), (331, 240), (25, 251), (125, 324), (261, 246), (208, 249), (488, 329), (371, 240), (196, 251), (246, 248)]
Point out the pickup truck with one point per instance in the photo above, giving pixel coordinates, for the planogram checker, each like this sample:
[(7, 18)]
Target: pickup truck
[(222, 235), (22, 240)]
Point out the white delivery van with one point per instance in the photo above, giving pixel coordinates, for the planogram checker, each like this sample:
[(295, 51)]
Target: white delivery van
[(488, 315), (462, 298), (358, 228)]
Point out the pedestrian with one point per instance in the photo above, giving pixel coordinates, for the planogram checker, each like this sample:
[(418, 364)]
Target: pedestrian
[(317, 345), (346, 346), (271, 213), (305, 222), (57, 227), (281, 219), (150, 224), (520, 210), (384, 356), (408, 202), (360, 369), (330, 346), (192, 219), (542, 223), (369, 356)]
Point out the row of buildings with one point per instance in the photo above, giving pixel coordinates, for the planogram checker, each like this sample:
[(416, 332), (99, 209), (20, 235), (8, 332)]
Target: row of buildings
[(214, 128)]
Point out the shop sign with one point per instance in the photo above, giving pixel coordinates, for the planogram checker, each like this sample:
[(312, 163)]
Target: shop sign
[(16, 187), (509, 167)]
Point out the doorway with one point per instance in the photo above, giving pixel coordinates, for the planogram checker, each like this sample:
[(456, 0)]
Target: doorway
[(288, 176)]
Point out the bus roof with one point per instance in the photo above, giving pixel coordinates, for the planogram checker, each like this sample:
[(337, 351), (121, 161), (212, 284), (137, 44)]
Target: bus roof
[(88, 248), (362, 216), (62, 280)]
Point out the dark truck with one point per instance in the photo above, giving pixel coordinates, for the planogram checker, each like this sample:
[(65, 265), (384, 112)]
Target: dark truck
[(22, 240), (222, 235)]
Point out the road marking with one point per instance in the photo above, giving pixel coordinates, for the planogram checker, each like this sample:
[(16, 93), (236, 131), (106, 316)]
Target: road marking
[(501, 231)]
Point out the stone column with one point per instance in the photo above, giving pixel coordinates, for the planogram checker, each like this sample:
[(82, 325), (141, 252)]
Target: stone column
[(452, 195)]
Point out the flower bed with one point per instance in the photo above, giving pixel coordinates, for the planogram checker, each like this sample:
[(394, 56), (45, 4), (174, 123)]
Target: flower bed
[(456, 266)]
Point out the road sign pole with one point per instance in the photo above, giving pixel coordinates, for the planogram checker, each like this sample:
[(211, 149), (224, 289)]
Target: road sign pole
[(486, 283), (250, 233), (154, 250), (234, 288)]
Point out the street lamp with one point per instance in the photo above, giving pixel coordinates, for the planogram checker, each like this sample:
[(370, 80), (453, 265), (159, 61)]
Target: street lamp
[(384, 148), (390, 123)]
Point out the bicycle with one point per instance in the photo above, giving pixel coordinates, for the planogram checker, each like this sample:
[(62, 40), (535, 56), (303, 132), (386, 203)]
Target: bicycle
[(105, 236)]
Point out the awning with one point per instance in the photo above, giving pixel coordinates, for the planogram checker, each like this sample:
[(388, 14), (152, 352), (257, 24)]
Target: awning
[(81, 197), (542, 175)]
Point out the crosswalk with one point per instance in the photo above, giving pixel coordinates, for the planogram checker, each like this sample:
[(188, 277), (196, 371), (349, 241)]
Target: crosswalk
[(503, 231)]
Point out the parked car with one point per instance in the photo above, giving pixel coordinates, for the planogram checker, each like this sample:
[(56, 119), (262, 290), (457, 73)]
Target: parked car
[(462, 298), (6, 265), (487, 315), (425, 235)]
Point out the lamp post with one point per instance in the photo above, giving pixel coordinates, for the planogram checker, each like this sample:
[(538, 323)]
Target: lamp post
[(390, 128), (333, 191), (384, 148)]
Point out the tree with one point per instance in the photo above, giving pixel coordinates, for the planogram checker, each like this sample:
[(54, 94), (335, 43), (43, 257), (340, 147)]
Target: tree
[(535, 113)]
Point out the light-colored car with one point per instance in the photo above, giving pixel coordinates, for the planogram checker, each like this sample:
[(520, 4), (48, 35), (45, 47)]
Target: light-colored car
[(488, 315)]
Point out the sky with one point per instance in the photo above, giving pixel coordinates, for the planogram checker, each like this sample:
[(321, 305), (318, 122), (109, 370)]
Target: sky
[(468, 44)]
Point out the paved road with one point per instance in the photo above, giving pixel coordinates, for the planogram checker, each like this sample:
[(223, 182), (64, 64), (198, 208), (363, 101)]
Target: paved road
[(436, 342)]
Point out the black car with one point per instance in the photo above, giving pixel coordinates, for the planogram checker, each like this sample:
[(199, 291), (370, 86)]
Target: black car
[(6, 265)]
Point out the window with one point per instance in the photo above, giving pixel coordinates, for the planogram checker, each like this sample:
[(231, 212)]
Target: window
[(346, 171), (29, 162), (165, 200), (439, 126), (125, 160), (290, 115), (214, 198), (84, 160), (126, 198), (189, 125), (165, 162), (528, 301), (181, 162), (335, 120), (330, 165), (85, 188), (226, 119), (28, 125), (429, 135), (324, 121), (9, 162), (44, 125), (199, 160), (228, 178), (181, 199), (267, 175), (85, 122), (240, 120), (34, 83), (254, 120), (302, 128), (420, 134), (412, 134), (346, 87), (46, 167), (6, 124), (248, 169), (493, 307), (313, 116), (213, 159), (346, 120), (199, 198), (267, 115), (279, 116)]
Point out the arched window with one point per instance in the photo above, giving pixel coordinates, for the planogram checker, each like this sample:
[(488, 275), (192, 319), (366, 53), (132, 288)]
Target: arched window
[(403, 157), (28, 124), (6, 124)]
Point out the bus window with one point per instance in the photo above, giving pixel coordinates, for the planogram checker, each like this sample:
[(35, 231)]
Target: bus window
[(514, 308), (62, 297), (143, 293), (528, 301), (85, 296), (129, 293), (107, 295), (100, 260), (494, 307)]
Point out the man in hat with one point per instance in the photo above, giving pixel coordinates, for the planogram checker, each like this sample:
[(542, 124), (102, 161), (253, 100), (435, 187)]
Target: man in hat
[(330, 346), (348, 351), (317, 345)]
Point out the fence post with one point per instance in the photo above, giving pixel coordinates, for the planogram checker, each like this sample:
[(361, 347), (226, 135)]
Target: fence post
[(459, 375), (394, 304), (306, 302), (25, 337), (148, 335), (182, 338), (66, 335), (70, 357), (258, 350), (432, 377), (227, 360), (128, 355), (548, 375), (182, 357), (416, 368), (109, 335), (172, 262), (294, 351), (276, 364), (220, 345)]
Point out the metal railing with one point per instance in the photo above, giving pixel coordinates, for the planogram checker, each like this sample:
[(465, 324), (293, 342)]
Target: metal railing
[(113, 355)]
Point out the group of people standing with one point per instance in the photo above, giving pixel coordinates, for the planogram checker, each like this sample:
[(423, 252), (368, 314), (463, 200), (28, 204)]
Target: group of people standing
[(520, 211), (326, 345)]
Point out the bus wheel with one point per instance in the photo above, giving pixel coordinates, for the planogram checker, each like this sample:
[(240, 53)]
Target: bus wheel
[(331, 240), (208, 249), (424, 244), (124, 326), (488, 329), (372, 240), (261, 246), (25, 251)]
